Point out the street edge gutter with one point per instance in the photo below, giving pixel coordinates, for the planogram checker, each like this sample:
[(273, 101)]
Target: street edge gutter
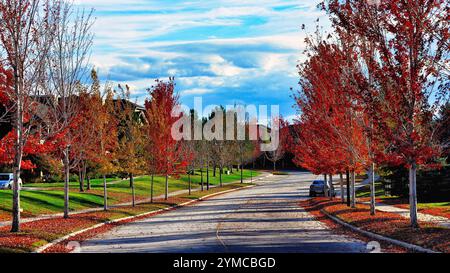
[(408, 246), (64, 238)]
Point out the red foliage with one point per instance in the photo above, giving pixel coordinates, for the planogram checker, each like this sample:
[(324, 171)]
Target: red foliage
[(409, 40), (168, 155), (331, 131), (34, 144)]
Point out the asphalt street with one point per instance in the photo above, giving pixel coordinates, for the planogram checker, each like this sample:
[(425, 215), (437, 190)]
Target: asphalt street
[(266, 218)]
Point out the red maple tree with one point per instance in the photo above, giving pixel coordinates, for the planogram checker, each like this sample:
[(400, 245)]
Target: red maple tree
[(167, 155), (411, 41), (330, 131)]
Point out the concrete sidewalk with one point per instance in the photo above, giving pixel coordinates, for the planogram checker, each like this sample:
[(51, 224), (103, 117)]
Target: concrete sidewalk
[(439, 220), (175, 193)]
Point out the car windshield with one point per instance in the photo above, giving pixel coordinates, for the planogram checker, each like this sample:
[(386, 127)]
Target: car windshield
[(4, 177), (318, 182)]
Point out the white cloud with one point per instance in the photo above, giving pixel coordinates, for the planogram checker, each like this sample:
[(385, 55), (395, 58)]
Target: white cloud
[(209, 46), (197, 91)]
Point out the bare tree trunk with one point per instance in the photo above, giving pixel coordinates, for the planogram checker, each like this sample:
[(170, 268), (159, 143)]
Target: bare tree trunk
[(16, 201), (413, 195), (372, 190), (274, 165), (16, 193), (201, 178), (66, 182), (341, 182), (84, 172), (81, 179), (214, 170), (151, 189), (325, 190), (166, 195), (348, 187), (242, 173), (105, 194), (189, 182), (353, 205), (133, 194), (220, 176), (331, 187), (207, 176), (88, 182), (17, 165)]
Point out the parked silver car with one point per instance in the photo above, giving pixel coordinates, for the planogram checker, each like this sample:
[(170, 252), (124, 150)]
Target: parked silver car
[(7, 181)]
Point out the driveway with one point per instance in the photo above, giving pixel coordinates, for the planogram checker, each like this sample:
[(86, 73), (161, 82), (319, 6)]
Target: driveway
[(265, 218)]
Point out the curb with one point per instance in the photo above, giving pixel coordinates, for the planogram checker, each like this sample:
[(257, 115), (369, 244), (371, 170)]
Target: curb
[(59, 240), (408, 246)]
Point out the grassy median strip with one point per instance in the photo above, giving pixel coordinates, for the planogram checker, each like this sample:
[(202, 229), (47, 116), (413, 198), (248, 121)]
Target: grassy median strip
[(38, 233), (387, 224)]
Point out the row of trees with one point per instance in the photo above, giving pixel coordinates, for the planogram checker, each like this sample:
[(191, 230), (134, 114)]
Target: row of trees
[(370, 91), (108, 134), (44, 55)]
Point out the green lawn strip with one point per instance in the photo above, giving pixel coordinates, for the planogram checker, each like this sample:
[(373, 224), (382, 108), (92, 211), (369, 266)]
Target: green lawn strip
[(38, 233), (75, 185), (364, 191), (36, 203)]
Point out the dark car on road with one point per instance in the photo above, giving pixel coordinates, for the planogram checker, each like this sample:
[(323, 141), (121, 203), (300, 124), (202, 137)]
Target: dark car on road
[(317, 187)]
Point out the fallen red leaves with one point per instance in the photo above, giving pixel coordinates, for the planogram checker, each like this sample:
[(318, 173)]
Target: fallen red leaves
[(38, 233), (384, 223), (314, 209), (442, 212)]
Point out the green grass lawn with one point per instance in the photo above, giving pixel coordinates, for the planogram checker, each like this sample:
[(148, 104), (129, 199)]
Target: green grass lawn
[(52, 201), (72, 185), (365, 191)]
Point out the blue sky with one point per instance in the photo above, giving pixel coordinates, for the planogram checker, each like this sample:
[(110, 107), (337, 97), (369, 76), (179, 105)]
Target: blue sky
[(226, 51)]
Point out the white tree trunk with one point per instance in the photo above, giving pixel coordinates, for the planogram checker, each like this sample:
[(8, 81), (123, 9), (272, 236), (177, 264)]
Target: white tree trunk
[(353, 204), (15, 227), (413, 195), (105, 194), (341, 183), (16, 201), (372, 190), (331, 187), (66, 182)]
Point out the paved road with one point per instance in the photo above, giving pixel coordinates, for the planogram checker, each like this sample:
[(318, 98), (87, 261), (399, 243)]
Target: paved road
[(265, 218)]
